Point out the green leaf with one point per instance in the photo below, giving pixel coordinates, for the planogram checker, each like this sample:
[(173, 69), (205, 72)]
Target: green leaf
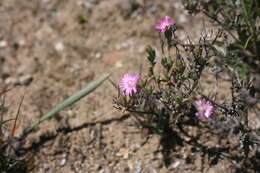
[(82, 19), (151, 54), (67, 102)]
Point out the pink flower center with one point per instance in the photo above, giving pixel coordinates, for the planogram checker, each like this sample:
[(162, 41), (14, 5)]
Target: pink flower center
[(130, 83), (164, 24)]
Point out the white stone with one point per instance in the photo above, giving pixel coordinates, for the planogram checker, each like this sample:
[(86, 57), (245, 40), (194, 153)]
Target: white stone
[(12, 80), (25, 80), (98, 55), (63, 162), (176, 164), (21, 42), (59, 46), (118, 64), (3, 43)]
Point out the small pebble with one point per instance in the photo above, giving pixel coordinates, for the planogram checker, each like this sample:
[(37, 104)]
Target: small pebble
[(59, 46), (123, 152), (25, 80), (102, 171), (123, 45), (98, 55), (63, 162), (75, 67), (3, 44), (12, 80), (176, 164), (21, 42), (87, 5), (118, 64), (46, 166), (137, 168)]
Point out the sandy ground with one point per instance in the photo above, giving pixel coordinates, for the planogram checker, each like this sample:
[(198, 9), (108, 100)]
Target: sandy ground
[(53, 48)]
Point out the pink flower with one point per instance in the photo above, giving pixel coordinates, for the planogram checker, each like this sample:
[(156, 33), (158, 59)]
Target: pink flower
[(205, 108), (164, 24), (128, 83)]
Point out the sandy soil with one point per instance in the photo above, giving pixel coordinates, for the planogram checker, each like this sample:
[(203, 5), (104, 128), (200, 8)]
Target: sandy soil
[(56, 47)]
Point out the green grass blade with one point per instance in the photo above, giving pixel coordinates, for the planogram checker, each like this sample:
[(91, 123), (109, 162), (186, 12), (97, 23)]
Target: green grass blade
[(67, 102)]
